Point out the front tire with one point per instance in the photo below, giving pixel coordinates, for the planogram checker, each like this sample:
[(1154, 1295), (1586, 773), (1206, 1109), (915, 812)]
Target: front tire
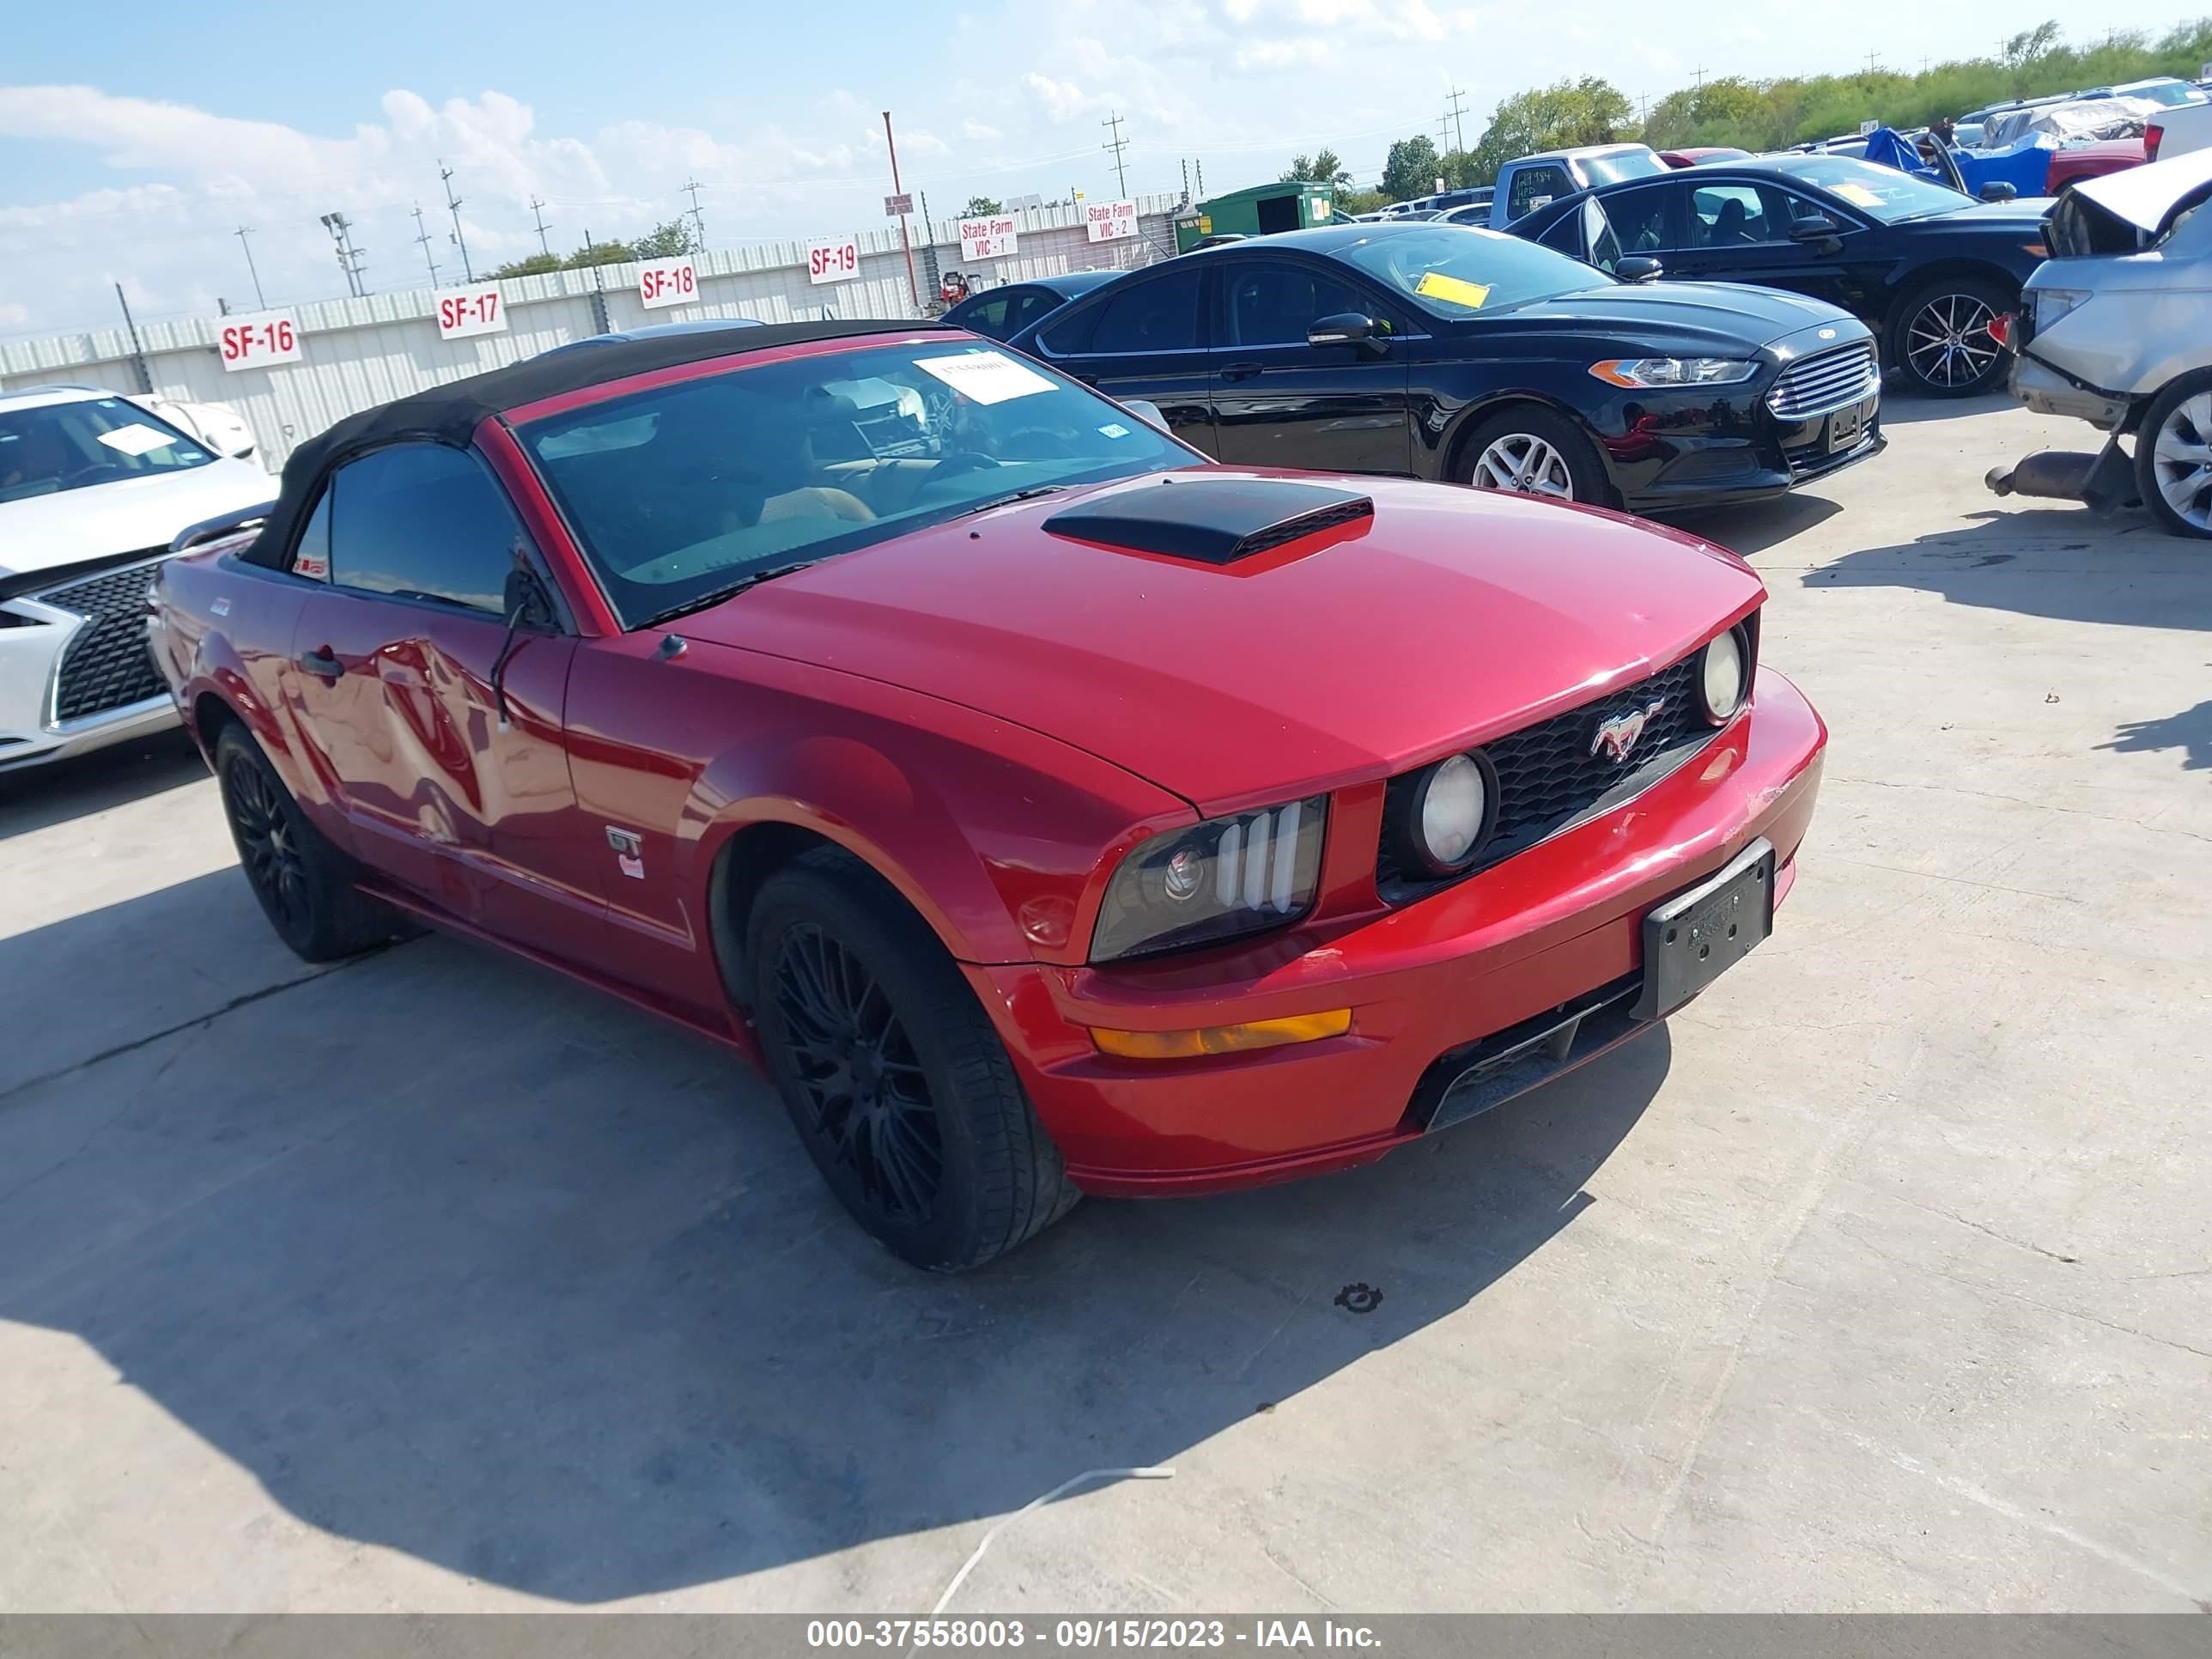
[(304, 883), (899, 1087), (1939, 338), (2173, 456), (1534, 451)]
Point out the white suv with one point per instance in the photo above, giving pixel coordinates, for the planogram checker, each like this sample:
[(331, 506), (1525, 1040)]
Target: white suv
[(94, 489)]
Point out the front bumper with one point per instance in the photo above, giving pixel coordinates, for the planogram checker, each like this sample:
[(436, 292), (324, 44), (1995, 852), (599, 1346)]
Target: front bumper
[(1514, 953), (73, 680)]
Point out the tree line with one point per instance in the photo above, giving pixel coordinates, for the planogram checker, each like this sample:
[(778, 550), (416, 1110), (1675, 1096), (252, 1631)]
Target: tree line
[(1773, 114), (670, 239)]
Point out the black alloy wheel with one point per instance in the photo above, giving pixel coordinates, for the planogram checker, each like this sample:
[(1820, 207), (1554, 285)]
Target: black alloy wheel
[(268, 846), (867, 1095)]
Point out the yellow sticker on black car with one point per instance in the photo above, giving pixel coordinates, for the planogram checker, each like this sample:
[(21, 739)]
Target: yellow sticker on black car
[(1437, 286)]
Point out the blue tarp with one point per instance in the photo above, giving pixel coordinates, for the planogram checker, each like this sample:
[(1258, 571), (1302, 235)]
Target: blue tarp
[(2026, 165)]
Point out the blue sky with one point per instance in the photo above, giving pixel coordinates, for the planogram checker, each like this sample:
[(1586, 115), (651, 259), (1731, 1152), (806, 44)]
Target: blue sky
[(135, 138)]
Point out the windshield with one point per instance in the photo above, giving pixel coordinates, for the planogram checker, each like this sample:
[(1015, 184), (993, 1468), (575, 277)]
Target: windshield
[(1459, 270), (1880, 192), (678, 493), (1628, 164), (52, 447), (2171, 94)]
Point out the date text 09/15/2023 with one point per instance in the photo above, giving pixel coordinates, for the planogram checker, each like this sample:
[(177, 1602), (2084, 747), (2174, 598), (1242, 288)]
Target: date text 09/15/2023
[(905, 1635)]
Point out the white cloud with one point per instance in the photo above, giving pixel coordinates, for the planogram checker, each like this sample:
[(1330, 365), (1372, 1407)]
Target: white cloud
[(1303, 52), (1061, 99), (976, 132)]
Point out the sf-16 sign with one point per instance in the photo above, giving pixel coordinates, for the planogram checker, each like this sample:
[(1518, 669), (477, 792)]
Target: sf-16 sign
[(834, 261), (258, 342), (664, 282), (989, 238), (465, 311), (1109, 221)]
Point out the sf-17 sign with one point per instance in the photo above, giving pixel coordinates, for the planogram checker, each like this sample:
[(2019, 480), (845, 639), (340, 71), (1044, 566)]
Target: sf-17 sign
[(989, 238), (1109, 221), (465, 311)]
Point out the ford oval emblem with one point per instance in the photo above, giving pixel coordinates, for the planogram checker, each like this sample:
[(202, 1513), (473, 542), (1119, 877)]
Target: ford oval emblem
[(1827, 334)]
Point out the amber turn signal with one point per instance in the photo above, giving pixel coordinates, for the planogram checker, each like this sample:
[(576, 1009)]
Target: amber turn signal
[(1221, 1039)]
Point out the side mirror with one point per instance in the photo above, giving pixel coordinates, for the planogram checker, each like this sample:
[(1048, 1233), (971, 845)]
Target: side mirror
[(1997, 191), (244, 452), (1637, 268), (1348, 328), (1146, 411), (1818, 228)]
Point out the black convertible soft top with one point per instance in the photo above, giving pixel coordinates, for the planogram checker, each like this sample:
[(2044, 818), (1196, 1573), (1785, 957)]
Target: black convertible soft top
[(449, 413)]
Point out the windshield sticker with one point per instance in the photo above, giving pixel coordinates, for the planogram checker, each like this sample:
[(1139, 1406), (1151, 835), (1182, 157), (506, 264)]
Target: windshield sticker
[(1857, 195), (137, 440), (1113, 429), (1436, 286), (985, 377)]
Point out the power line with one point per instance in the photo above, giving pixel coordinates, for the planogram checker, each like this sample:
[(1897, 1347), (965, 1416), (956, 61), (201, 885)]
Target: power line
[(1458, 125), (423, 240), (454, 207), (1113, 122), (351, 259), (692, 184), (536, 209), (245, 231)]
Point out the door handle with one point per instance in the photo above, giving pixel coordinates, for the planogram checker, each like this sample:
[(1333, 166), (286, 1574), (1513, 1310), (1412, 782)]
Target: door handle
[(322, 664), (1239, 371)]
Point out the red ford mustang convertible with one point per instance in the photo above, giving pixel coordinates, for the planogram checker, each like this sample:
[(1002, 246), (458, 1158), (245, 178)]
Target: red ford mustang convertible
[(1047, 809)]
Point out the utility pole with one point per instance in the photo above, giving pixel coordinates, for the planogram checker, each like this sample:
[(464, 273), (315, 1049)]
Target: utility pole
[(454, 207), (242, 232), (1443, 132), (1458, 125), (698, 223), (1870, 61), (1199, 165), (538, 211), (913, 288), (423, 240), (1700, 73), (351, 259), (1116, 145), (138, 349)]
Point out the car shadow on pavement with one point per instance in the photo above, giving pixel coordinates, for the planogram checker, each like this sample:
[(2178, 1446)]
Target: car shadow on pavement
[(38, 797), (461, 1260), (1900, 408), (2063, 563), (1757, 525)]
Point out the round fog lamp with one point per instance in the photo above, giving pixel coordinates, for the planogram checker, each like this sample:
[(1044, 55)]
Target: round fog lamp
[(1449, 812), (1721, 682)]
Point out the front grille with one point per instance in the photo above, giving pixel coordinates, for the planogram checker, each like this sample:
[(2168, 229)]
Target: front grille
[(1825, 381), (106, 663), (1553, 773)]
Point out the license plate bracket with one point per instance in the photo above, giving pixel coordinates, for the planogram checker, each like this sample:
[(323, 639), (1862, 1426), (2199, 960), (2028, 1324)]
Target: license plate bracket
[(1847, 427), (1695, 937)]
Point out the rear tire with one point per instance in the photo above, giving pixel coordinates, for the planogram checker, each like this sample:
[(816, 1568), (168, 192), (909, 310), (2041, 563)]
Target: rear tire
[(897, 1081), (304, 883), (1529, 451), (1938, 337), (2173, 456)]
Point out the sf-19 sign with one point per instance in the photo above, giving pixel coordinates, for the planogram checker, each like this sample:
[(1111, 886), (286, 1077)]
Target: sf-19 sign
[(465, 311), (991, 238), (259, 341), (1109, 221), (834, 261), (667, 282)]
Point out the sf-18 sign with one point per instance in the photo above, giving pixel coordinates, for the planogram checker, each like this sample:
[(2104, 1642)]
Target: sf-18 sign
[(258, 342), (992, 238), (1109, 221), (465, 311), (667, 282), (834, 261)]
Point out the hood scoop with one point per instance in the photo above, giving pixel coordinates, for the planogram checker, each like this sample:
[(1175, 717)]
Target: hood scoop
[(1213, 520)]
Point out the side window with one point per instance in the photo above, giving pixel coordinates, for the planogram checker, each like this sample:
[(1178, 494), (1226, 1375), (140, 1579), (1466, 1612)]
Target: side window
[(1064, 336), (420, 522), (1567, 235), (1733, 216), (1639, 217), (1275, 302), (1034, 303), (1605, 250), (311, 554), (1796, 209), (1537, 187), (1159, 314), (989, 316)]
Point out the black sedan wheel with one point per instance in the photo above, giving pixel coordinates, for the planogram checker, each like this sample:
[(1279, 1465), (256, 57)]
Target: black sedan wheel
[(1939, 338), (1533, 452), (305, 885), (900, 1089)]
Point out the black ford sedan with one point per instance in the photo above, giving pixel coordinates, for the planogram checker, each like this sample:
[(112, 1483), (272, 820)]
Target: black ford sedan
[(1002, 313), (1928, 268), (1444, 352)]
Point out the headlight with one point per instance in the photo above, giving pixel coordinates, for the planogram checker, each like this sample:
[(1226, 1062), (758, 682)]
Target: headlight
[(1721, 675), (1450, 814), (1216, 880), (2052, 303), (1673, 371)]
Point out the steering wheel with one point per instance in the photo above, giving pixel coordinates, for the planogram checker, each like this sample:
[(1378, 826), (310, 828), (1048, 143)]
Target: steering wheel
[(68, 480), (962, 460)]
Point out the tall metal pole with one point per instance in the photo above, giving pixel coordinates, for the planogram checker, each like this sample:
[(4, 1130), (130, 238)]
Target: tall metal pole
[(538, 209), (906, 241), (422, 237), (454, 207), (137, 350), (692, 186), (1119, 144), (245, 231)]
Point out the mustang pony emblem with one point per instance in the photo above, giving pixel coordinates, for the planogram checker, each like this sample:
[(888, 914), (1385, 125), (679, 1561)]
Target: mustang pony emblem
[(1618, 735)]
